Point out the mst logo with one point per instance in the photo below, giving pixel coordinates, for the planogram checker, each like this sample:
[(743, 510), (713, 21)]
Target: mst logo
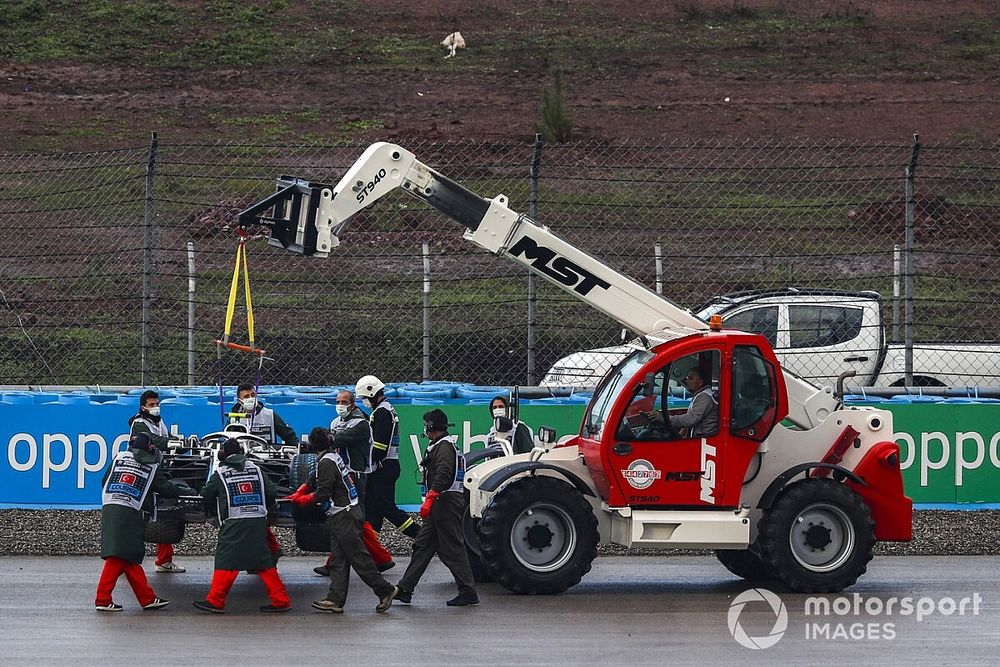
[(557, 267), (707, 477)]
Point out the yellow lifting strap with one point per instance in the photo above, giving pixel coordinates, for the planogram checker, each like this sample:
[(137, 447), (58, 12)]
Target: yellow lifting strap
[(243, 263)]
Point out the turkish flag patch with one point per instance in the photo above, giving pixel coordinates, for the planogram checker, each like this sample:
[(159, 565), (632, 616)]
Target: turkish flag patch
[(245, 487), (127, 478)]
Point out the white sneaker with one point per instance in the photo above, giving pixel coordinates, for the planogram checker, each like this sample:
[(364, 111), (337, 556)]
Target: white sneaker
[(171, 567), (157, 603), (108, 607)]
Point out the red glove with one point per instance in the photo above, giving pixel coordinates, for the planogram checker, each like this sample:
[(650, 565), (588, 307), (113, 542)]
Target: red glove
[(303, 501), (425, 509), (299, 492)]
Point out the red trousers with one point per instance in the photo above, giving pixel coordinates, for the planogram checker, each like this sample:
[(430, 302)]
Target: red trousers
[(223, 580), (114, 568), (379, 553), (164, 553), (272, 541)]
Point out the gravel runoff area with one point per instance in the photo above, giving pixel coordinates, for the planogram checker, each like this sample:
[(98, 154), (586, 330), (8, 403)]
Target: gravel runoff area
[(78, 533)]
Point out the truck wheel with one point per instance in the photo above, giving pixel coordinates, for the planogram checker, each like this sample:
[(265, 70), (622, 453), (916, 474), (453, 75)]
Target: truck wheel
[(168, 531), (744, 563), (817, 537), (538, 536)]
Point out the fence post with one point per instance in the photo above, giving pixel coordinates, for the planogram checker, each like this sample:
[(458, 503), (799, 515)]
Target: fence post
[(147, 257), (536, 160), (658, 256), (911, 170), (897, 270), (426, 255), (191, 290)]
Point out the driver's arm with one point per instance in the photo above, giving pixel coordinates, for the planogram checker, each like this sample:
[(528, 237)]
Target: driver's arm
[(700, 406)]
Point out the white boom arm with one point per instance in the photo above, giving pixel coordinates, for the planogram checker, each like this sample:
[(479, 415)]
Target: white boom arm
[(309, 219)]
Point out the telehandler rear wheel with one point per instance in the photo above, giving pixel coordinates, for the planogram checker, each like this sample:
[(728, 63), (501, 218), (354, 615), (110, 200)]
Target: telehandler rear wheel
[(817, 537), (538, 536)]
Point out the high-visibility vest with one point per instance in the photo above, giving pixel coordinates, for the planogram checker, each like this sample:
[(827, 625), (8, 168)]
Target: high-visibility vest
[(348, 480), (156, 428), (456, 485), (392, 447), (128, 482), (341, 424), (263, 424), (244, 491)]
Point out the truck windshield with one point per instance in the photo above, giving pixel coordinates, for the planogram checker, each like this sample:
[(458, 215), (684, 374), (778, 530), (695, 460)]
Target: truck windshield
[(607, 393)]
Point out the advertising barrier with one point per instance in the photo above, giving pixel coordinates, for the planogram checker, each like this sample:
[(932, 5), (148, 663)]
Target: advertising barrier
[(54, 454)]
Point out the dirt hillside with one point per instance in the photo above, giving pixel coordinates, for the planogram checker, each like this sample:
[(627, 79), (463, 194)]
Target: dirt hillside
[(93, 73)]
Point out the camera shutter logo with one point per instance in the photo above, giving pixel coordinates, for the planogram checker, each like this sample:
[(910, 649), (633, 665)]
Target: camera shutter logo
[(641, 474), (780, 618)]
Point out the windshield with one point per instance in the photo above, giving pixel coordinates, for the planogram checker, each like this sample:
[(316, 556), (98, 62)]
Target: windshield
[(609, 390), (713, 307)]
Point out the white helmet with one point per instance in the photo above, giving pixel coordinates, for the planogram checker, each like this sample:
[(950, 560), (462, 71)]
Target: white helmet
[(368, 386)]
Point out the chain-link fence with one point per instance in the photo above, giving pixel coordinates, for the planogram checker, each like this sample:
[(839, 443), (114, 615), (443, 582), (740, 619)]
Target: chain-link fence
[(115, 266)]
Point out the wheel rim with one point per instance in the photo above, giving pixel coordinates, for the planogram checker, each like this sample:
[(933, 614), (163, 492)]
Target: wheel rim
[(822, 537), (543, 537)]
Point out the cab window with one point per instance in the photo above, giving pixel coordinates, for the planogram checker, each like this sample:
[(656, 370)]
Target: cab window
[(610, 388), (668, 393), (754, 394)]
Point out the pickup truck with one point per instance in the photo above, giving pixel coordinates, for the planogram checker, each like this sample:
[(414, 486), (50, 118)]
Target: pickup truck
[(817, 334)]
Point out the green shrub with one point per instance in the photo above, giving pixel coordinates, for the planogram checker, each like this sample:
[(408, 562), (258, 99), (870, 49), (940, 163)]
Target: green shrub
[(556, 125)]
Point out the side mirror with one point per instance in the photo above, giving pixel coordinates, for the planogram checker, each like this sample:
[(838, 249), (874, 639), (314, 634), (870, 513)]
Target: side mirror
[(546, 435), (649, 385)]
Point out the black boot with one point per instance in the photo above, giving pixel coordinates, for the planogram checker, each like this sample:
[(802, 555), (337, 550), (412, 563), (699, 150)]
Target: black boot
[(463, 600)]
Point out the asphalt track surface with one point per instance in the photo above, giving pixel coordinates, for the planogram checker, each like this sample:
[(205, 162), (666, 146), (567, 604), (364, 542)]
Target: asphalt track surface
[(628, 610)]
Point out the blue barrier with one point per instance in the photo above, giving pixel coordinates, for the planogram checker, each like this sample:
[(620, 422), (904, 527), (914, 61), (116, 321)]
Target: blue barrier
[(58, 444)]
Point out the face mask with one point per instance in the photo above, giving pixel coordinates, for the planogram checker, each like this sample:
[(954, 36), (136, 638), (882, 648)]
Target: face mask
[(367, 403), (499, 412), (153, 412), (342, 410), (249, 403)]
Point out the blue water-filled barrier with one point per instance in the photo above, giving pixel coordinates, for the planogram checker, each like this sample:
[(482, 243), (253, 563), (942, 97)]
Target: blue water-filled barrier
[(424, 393)]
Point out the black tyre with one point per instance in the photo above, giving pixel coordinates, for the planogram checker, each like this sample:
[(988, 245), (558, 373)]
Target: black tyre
[(300, 469), (470, 525), (744, 563), (817, 537), (470, 531), (312, 537), (164, 531), (538, 536)]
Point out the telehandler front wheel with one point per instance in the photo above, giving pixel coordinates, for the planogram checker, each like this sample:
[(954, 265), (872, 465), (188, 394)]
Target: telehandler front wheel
[(817, 537), (538, 536), (744, 563)]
